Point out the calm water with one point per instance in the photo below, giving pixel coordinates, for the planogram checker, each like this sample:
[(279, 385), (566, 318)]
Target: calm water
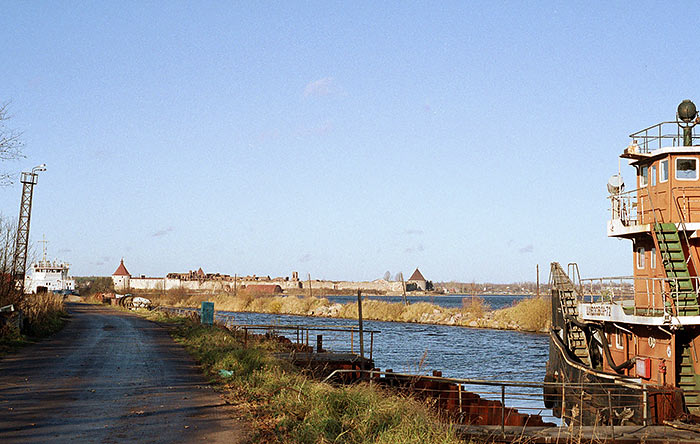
[(458, 352), (447, 301)]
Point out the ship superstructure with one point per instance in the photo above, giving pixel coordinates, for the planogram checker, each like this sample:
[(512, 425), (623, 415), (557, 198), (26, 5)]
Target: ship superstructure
[(637, 336), (49, 276)]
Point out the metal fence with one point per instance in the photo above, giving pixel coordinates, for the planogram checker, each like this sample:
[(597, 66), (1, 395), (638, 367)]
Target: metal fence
[(334, 338), (518, 402)]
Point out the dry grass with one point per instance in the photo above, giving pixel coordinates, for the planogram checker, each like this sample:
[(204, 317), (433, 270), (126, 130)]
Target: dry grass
[(285, 405), (43, 313), (532, 314)]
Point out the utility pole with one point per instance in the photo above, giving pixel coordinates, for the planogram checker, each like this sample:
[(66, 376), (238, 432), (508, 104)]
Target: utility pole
[(19, 260), (310, 291)]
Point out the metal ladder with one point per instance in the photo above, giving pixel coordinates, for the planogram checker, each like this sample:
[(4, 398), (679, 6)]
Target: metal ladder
[(688, 381), (568, 299), (676, 267)]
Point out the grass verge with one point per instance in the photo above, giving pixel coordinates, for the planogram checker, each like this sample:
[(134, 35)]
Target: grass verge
[(44, 315), (285, 405)]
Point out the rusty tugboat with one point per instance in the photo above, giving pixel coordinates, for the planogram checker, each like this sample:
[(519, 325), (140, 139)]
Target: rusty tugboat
[(627, 350)]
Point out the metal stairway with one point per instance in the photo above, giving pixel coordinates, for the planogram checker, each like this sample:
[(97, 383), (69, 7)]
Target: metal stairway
[(688, 381), (676, 267), (568, 298)]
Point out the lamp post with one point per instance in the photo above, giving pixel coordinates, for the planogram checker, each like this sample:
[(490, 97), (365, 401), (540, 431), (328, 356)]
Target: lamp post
[(19, 262)]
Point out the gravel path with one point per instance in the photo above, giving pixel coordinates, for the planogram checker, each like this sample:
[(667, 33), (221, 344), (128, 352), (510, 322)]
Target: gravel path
[(110, 377)]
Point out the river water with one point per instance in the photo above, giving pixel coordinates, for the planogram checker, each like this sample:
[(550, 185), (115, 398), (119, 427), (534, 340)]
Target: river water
[(459, 352), (494, 301)]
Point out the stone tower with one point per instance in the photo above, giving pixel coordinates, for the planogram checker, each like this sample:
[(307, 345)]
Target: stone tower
[(121, 278)]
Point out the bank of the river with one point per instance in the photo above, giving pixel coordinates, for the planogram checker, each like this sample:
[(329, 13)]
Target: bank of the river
[(530, 314), (285, 405)]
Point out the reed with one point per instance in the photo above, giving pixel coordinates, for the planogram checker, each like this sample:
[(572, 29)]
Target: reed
[(532, 314)]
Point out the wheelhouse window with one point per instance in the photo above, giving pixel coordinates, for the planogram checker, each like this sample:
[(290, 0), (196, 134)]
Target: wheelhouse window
[(643, 176), (653, 176), (663, 171), (686, 168), (640, 258), (652, 258)]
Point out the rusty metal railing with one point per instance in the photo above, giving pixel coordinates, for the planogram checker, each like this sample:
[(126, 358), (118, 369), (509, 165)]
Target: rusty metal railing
[(520, 396), (299, 333)]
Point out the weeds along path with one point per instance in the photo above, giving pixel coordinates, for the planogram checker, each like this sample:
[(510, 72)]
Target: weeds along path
[(109, 376)]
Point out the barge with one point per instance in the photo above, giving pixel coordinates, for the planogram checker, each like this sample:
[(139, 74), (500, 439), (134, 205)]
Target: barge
[(626, 350)]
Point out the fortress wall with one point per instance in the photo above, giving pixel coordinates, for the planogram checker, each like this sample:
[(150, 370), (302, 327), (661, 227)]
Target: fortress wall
[(146, 283), (174, 284)]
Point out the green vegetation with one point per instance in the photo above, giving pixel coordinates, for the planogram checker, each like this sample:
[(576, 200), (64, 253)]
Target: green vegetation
[(90, 285), (285, 405), (531, 314)]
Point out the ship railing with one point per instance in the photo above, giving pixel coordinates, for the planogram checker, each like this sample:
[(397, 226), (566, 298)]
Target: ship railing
[(325, 338), (624, 207), (457, 396), (661, 135), (640, 296), (629, 206)]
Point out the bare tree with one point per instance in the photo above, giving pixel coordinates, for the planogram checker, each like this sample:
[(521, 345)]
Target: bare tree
[(387, 276), (10, 143), (8, 291)]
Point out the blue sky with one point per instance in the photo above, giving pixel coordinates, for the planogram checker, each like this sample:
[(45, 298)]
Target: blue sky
[(471, 139)]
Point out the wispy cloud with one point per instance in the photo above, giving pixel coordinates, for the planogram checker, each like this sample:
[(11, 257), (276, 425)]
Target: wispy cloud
[(320, 87), (315, 130), (162, 232), (64, 250), (102, 261), (305, 258), (526, 249), (412, 231), (417, 248)]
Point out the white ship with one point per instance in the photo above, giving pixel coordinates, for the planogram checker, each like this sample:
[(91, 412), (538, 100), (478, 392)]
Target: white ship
[(49, 276)]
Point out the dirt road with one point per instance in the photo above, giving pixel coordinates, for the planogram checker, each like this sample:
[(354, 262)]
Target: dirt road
[(109, 377)]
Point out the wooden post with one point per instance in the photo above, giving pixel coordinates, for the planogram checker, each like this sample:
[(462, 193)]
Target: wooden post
[(403, 285), (359, 318), (538, 280), (319, 343), (310, 292), (459, 394)]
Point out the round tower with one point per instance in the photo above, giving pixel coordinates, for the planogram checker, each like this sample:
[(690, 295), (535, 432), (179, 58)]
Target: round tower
[(121, 278)]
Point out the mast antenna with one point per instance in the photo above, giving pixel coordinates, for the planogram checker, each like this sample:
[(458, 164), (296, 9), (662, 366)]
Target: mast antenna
[(19, 261)]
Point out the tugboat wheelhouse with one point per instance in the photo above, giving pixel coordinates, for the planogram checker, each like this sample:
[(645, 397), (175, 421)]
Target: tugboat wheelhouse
[(637, 337)]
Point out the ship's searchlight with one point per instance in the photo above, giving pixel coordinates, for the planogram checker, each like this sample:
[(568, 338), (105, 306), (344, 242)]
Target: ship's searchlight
[(615, 184)]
